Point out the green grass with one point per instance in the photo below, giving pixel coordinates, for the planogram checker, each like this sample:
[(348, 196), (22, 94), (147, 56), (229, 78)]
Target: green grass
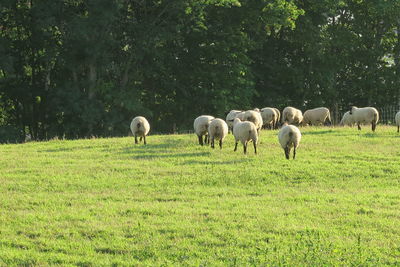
[(101, 202)]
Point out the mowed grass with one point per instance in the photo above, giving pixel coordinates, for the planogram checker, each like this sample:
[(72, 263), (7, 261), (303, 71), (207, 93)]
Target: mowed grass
[(101, 202)]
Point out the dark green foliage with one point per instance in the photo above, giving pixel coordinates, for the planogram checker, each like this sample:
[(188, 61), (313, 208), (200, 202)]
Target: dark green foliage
[(86, 68), (10, 134)]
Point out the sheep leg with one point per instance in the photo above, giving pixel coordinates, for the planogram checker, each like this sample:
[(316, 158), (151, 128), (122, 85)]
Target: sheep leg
[(136, 141), (398, 128), (212, 142), (294, 152), (200, 139), (144, 140), (359, 127), (245, 148), (140, 139), (206, 139), (373, 126), (255, 147), (220, 144), (328, 122), (236, 143), (287, 152)]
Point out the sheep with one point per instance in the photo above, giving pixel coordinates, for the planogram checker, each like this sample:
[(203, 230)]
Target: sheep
[(347, 119), (365, 115), (292, 115), (397, 119), (289, 136), (269, 117), (240, 116), (278, 113), (230, 117), (244, 132), (200, 126), (316, 116), (140, 127), (254, 117), (217, 129)]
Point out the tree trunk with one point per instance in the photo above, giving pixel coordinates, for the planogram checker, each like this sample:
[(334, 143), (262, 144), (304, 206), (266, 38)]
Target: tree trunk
[(92, 81)]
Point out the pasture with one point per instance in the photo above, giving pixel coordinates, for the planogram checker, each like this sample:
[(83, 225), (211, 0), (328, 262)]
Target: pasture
[(101, 202)]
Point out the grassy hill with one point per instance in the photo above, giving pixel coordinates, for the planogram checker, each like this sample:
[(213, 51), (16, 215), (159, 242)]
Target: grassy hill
[(109, 202)]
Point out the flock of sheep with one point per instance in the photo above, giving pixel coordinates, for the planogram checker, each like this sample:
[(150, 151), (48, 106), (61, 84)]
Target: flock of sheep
[(246, 125)]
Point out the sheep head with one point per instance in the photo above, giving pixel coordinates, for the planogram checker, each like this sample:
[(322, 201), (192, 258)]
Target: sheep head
[(352, 108)]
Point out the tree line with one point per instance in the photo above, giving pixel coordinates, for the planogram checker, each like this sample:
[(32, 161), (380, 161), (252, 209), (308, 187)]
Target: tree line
[(74, 68)]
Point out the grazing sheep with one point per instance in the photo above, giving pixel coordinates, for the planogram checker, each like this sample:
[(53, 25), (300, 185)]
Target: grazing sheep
[(397, 119), (240, 116), (200, 126), (292, 115), (365, 115), (278, 113), (254, 117), (289, 136), (347, 119), (316, 116), (230, 117), (269, 117), (245, 131), (217, 129), (140, 127)]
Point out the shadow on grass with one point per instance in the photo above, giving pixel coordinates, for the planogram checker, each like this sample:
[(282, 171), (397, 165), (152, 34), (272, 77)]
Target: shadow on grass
[(319, 132), (67, 149), (170, 155), (61, 149), (370, 135), (149, 148), (201, 162)]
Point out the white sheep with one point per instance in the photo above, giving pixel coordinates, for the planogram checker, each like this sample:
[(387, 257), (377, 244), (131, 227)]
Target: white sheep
[(317, 116), (269, 117), (245, 131), (254, 117), (347, 119), (217, 129), (289, 136), (140, 127), (240, 116), (292, 115), (365, 115), (278, 113), (397, 119), (231, 116), (200, 126)]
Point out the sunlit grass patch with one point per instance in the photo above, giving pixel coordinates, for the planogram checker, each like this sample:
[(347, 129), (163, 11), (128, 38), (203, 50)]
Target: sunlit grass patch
[(108, 201)]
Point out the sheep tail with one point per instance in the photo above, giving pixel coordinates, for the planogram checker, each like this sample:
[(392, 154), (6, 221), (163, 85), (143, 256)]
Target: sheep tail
[(290, 134)]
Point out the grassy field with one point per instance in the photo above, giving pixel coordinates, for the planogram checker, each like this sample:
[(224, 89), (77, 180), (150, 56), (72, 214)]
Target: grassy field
[(101, 202)]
